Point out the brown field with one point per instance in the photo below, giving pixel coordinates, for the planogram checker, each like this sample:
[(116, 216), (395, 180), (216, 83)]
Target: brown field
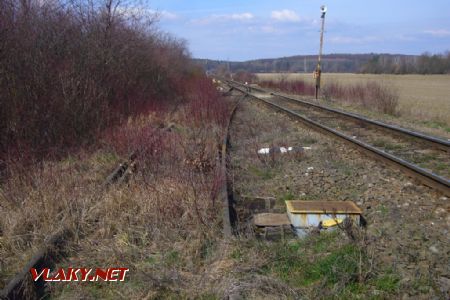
[(422, 97)]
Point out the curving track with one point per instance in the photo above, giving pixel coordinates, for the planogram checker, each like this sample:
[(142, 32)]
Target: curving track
[(420, 156)]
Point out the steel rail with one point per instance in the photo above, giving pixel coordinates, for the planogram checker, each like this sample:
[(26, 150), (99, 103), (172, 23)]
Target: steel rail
[(435, 141), (228, 203), (428, 178), (55, 248)]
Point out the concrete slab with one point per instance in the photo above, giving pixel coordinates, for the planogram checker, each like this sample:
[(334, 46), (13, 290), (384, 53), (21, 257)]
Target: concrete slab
[(271, 220)]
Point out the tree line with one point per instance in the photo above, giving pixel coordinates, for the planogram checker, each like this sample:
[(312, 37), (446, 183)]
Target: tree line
[(340, 63), (424, 64)]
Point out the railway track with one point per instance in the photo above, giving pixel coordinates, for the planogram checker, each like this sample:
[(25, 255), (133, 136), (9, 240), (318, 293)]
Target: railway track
[(422, 157), (55, 248)]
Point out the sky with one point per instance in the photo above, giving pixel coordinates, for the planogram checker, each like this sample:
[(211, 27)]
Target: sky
[(252, 29)]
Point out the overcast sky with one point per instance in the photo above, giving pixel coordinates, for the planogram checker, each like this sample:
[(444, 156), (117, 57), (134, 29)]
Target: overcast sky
[(250, 29)]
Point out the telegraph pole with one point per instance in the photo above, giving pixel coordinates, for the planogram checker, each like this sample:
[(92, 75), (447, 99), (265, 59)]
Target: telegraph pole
[(318, 72)]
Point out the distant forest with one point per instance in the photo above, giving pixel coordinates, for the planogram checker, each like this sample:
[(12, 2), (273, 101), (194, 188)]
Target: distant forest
[(340, 63)]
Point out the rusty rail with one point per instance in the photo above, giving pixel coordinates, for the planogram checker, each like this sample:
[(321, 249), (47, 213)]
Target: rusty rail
[(229, 214), (21, 286)]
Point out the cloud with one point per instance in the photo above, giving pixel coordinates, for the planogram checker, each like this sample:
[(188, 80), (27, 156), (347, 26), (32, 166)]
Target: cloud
[(242, 17), (167, 15), (285, 15), (437, 32)]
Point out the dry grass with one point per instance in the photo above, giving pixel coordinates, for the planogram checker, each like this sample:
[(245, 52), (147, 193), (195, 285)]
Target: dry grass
[(370, 95), (163, 224), (422, 97)]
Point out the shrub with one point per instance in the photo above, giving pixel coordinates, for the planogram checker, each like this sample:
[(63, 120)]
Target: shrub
[(371, 95), (70, 69), (294, 87), (204, 103), (244, 76)]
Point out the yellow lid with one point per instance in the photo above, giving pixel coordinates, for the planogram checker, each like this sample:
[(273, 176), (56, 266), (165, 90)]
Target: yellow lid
[(331, 223)]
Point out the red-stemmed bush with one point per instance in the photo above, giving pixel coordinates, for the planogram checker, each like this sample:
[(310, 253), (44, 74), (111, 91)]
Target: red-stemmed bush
[(290, 86), (70, 69), (205, 104), (370, 95)]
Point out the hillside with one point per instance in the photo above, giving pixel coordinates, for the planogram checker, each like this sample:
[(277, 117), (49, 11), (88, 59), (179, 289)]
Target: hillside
[(340, 63)]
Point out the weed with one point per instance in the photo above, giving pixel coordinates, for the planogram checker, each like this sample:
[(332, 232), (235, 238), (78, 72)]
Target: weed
[(287, 196), (331, 262), (324, 242), (208, 296), (424, 158), (207, 249), (344, 127), (384, 210), (236, 254), (339, 265), (172, 258), (441, 166), (422, 285), (381, 143), (342, 167), (437, 125), (151, 260), (307, 141), (265, 173), (310, 197), (387, 283)]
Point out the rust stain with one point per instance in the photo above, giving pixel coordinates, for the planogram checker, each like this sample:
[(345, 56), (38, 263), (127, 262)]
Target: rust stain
[(304, 219)]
